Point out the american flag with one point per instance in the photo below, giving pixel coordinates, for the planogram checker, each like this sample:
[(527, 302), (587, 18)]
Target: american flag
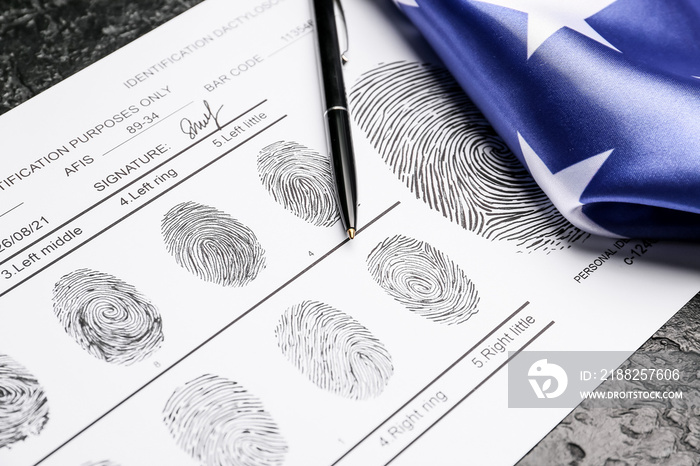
[(599, 99)]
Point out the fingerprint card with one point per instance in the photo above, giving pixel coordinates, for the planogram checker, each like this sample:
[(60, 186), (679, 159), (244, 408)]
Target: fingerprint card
[(176, 286)]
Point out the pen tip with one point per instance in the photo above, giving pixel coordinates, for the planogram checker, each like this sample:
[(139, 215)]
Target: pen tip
[(351, 233)]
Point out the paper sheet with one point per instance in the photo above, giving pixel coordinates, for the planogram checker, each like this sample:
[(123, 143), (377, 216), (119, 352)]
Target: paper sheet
[(175, 287)]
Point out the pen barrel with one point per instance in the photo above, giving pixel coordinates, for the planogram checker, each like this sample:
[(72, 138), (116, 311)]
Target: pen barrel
[(336, 112), (343, 164), (329, 56)]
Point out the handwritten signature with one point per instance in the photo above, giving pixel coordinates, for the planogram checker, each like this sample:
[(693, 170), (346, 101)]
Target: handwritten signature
[(192, 128)]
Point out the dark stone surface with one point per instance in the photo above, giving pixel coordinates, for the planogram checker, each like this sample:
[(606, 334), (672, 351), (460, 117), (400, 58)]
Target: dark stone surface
[(648, 432), (44, 41)]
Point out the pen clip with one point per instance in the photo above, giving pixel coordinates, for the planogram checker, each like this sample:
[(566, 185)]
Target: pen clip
[(345, 28)]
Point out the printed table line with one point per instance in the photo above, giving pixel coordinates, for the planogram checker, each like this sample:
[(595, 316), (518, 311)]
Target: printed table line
[(124, 217), (435, 379), (18, 205), (473, 390), (134, 181), (216, 334)]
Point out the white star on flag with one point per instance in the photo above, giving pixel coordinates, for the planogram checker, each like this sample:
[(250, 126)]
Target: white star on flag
[(407, 2), (566, 187), (545, 17)]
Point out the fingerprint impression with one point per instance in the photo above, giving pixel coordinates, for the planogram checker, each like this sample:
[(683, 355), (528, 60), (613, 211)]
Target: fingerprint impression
[(301, 180), (334, 351), (107, 317), (212, 245), (423, 279), (24, 408), (217, 422), (441, 147)]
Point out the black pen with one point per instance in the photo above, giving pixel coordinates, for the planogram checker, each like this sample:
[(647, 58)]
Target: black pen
[(336, 111)]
